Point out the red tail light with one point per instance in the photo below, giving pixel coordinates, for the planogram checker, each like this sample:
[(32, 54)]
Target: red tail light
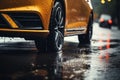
[(110, 21), (101, 20)]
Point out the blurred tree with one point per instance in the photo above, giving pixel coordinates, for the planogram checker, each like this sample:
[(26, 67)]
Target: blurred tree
[(111, 7), (118, 13), (104, 8)]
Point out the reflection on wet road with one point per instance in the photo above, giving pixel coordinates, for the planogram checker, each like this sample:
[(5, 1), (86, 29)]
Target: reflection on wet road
[(100, 60)]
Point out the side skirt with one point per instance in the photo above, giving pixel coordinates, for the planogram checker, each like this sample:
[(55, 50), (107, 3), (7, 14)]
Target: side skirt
[(75, 31)]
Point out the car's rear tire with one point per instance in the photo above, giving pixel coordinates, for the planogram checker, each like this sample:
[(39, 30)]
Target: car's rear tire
[(85, 38), (55, 39)]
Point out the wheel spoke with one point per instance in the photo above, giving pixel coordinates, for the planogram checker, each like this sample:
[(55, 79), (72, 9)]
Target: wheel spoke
[(59, 18), (61, 23), (59, 39)]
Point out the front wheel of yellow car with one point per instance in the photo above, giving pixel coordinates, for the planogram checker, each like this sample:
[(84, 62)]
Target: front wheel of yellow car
[(56, 27), (55, 39)]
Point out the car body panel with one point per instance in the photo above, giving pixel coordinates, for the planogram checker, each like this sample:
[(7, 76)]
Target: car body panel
[(75, 15), (76, 11), (40, 7)]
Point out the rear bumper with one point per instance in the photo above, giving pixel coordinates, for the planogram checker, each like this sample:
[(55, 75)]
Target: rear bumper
[(30, 34), (105, 24)]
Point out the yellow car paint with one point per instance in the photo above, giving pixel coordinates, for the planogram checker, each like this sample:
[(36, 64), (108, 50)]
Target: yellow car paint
[(76, 11)]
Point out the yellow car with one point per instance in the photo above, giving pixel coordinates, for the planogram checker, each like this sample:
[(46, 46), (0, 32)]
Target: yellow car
[(46, 21)]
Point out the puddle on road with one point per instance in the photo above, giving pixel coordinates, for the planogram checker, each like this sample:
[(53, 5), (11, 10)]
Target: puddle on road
[(76, 60)]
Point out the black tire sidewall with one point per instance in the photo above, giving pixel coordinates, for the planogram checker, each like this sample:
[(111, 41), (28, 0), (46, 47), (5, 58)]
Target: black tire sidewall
[(85, 38), (52, 43)]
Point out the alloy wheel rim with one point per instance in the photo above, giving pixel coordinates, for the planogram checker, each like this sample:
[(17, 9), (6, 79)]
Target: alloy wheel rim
[(59, 27), (59, 18)]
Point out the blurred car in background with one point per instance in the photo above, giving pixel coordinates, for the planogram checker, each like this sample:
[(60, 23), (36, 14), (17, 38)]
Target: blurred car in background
[(105, 21)]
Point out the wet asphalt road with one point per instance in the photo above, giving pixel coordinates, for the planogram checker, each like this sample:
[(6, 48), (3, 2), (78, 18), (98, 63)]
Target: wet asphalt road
[(100, 60)]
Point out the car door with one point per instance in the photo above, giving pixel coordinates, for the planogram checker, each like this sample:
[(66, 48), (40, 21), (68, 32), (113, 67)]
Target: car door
[(77, 13)]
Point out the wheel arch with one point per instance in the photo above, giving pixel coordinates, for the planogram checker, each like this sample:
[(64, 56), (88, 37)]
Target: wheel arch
[(92, 14)]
